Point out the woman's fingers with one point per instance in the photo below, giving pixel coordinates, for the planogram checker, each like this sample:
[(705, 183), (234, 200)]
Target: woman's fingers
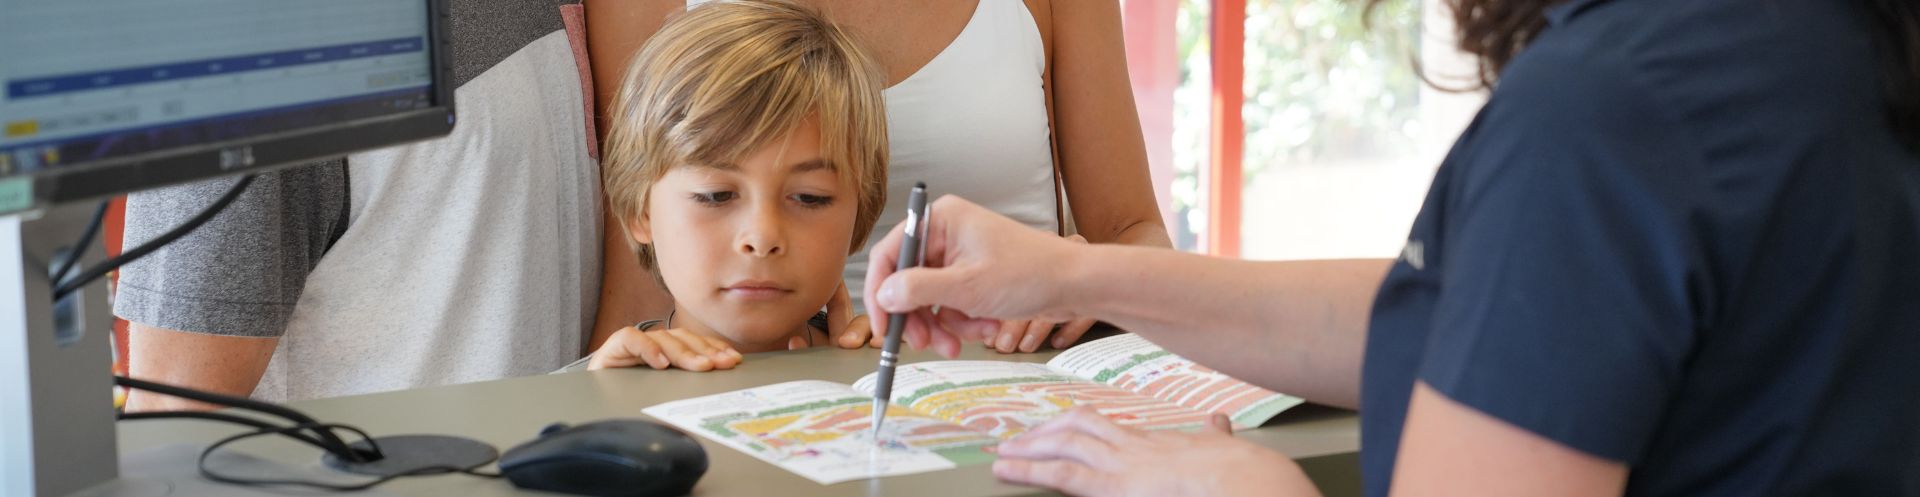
[(1037, 333), (1029, 336), (1075, 446), (943, 343), (953, 326), (1068, 476), (1072, 331), (967, 327), (1007, 338), (1220, 423), (1084, 420)]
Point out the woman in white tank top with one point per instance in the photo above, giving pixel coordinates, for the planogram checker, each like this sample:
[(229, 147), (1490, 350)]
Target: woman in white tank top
[(968, 109)]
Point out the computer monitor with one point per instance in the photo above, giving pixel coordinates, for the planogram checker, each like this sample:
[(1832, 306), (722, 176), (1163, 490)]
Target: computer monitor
[(109, 96), (102, 97)]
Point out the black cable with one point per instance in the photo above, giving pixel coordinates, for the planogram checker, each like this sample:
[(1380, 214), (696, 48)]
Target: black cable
[(71, 284), (229, 418), (80, 248), (333, 443), (422, 471)]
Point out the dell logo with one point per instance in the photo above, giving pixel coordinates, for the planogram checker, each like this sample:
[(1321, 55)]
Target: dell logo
[(237, 157)]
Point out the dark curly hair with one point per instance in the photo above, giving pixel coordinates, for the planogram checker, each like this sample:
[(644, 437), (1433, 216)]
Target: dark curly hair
[(1496, 31)]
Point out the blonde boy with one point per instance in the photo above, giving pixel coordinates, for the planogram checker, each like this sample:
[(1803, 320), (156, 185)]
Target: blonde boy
[(746, 158)]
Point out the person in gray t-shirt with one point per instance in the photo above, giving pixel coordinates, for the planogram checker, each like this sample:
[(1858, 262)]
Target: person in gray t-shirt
[(471, 257)]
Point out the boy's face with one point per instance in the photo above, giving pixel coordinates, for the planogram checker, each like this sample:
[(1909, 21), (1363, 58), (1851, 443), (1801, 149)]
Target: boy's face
[(751, 250)]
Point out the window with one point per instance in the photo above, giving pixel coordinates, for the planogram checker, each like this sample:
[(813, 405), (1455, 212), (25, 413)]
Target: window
[(1338, 136)]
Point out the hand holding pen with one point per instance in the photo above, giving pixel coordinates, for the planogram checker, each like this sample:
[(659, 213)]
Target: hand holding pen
[(979, 268), (909, 256)]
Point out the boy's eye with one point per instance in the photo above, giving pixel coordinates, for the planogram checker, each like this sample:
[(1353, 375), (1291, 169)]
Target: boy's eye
[(713, 198), (813, 201)]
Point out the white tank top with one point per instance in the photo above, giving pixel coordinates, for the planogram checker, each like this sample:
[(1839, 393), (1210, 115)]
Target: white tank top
[(972, 122)]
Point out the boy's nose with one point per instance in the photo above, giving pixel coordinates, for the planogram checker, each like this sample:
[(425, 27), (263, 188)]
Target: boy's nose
[(763, 234), (760, 246)]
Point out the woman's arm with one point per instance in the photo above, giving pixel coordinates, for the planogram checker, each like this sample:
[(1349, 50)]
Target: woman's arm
[(628, 293), (1298, 327), (615, 29), (1451, 449), (1103, 157)]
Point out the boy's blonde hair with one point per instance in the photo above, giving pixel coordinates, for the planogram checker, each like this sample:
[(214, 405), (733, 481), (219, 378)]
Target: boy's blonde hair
[(725, 78)]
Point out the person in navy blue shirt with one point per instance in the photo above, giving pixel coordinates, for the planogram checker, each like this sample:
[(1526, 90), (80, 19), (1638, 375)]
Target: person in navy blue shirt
[(1677, 253)]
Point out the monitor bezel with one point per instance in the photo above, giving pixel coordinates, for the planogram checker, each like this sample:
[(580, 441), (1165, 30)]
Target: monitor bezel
[(263, 153)]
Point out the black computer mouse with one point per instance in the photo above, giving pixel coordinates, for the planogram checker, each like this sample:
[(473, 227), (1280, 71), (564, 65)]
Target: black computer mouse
[(614, 458)]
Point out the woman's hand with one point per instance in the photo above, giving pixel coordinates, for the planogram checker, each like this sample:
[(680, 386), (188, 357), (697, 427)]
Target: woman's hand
[(661, 349), (1027, 336), (980, 268), (1083, 453)]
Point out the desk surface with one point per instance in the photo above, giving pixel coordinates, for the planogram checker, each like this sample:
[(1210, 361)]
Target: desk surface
[(511, 411)]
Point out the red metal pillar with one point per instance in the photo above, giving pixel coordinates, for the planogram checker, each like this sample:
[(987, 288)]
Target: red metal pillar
[(1228, 41)]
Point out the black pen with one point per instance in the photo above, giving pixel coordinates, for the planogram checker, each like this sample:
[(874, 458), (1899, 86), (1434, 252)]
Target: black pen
[(896, 324)]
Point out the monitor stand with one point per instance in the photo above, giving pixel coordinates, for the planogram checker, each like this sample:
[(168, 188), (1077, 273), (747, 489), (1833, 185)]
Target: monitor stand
[(57, 434), (57, 422)]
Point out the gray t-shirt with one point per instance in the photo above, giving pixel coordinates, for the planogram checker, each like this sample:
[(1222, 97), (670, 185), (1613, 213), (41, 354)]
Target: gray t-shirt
[(466, 258), (242, 272)]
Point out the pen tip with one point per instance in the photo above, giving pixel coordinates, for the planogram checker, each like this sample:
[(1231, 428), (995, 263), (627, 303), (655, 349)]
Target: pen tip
[(920, 184)]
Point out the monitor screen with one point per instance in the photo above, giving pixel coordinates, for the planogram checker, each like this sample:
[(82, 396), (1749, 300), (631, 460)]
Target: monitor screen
[(106, 96)]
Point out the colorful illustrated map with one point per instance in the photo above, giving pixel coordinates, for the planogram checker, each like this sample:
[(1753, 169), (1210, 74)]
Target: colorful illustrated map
[(949, 413), (1131, 363), (823, 431)]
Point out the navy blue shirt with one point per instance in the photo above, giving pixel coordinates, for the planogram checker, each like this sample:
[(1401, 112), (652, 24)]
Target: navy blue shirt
[(1680, 236)]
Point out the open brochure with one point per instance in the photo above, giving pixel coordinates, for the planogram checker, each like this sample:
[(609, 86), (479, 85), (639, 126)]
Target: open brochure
[(945, 413)]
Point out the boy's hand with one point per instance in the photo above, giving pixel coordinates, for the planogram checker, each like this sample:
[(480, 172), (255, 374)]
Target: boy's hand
[(845, 328), (660, 349), (1027, 336)]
